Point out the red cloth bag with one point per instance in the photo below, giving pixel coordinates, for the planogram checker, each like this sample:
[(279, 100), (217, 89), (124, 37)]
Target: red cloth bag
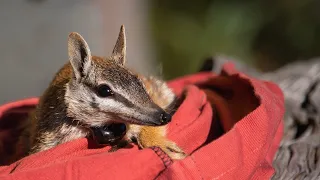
[(229, 124)]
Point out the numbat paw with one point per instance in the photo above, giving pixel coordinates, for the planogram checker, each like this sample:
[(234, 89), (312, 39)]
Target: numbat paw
[(173, 150)]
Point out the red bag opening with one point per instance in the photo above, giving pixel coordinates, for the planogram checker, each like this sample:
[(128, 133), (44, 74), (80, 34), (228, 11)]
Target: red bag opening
[(229, 124)]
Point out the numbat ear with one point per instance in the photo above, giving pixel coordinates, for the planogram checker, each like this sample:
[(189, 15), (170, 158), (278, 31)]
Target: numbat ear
[(79, 55), (119, 50)]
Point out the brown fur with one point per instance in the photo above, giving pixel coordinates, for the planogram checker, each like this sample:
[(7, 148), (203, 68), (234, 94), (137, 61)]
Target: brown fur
[(68, 107), (149, 136)]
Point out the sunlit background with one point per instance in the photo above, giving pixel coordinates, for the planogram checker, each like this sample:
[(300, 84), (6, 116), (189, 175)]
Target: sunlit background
[(168, 36)]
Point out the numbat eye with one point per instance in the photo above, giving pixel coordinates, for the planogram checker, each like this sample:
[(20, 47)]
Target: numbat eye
[(104, 90)]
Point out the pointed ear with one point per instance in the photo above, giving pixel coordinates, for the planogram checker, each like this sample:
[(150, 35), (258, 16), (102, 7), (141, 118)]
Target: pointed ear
[(79, 55), (119, 50)]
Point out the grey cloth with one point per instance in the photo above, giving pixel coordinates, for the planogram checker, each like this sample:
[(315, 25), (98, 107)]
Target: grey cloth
[(298, 156)]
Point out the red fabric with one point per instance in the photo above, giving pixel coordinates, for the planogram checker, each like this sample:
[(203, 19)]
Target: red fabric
[(230, 124)]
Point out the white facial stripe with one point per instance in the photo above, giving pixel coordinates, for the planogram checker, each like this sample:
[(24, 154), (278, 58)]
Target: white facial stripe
[(123, 111), (124, 95), (110, 104)]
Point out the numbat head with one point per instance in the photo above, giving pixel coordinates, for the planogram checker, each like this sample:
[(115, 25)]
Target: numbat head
[(103, 89)]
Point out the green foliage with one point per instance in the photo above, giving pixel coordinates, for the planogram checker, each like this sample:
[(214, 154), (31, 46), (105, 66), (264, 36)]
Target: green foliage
[(265, 33)]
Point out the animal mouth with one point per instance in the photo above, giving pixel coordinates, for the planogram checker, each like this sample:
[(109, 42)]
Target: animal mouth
[(109, 133), (138, 121)]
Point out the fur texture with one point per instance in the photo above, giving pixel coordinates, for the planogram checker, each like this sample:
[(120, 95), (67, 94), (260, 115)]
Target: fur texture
[(71, 104)]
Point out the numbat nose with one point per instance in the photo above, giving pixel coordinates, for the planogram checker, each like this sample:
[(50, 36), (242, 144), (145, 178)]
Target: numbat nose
[(165, 118)]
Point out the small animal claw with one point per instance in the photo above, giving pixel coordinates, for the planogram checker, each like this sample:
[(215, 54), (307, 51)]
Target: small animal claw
[(174, 151)]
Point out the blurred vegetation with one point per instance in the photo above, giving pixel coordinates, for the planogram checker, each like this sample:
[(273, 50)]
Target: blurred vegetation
[(264, 33)]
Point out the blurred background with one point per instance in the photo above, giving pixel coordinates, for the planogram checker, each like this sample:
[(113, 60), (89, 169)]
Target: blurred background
[(164, 37)]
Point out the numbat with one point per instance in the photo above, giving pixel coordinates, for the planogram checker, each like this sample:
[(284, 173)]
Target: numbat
[(90, 92)]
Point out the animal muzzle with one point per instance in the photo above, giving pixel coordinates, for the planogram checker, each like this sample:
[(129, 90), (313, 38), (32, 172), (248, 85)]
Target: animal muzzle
[(158, 118), (164, 118)]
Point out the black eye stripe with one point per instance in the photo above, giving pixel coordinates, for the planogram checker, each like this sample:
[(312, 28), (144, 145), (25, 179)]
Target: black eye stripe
[(124, 100), (116, 95)]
